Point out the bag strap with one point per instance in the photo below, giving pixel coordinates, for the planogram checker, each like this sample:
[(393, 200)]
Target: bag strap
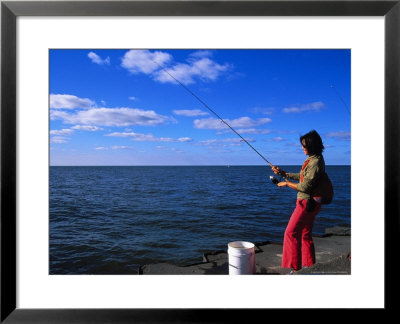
[(302, 169)]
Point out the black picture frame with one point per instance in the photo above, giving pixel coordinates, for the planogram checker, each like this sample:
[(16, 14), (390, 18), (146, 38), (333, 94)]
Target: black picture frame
[(10, 10)]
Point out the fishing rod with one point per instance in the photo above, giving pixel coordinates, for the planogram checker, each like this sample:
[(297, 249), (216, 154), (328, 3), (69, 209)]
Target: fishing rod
[(205, 105), (344, 103)]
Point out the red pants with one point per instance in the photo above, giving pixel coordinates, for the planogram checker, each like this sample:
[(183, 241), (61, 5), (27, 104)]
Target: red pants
[(298, 246)]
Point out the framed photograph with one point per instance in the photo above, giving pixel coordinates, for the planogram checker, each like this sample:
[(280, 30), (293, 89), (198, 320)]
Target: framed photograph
[(77, 108)]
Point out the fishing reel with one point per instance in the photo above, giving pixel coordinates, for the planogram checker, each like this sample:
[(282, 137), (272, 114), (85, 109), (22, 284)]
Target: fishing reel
[(275, 180)]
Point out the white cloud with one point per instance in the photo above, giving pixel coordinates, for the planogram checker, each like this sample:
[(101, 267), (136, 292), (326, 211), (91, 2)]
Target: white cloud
[(190, 113), (62, 132), (57, 114), (144, 61), (66, 101), (141, 137), (201, 54), (119, 147), (114, 147), (242, 122), (204, 69), (148, 137), (58, 139), (209, 123), (87, 128), (198, 66), (98, 60), (341, 135), (133, 98), (253, 131), (313, 106), (184, 139), (112, 117)]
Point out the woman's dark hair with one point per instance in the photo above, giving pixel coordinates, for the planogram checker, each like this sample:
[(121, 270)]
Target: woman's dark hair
[(313, 143)]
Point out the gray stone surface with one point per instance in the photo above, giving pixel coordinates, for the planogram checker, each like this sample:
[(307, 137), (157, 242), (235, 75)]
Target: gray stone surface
[(338, 265), (333, 256), (338, 230)]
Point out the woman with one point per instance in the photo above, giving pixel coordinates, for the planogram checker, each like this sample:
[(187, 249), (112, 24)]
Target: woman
[(298, 247)]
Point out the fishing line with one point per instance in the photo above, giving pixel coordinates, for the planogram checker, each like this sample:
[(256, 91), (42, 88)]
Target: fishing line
[(205, 105), (344, 103)]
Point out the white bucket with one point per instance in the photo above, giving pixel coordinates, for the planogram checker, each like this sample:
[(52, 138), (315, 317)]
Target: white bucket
[(241, 258)]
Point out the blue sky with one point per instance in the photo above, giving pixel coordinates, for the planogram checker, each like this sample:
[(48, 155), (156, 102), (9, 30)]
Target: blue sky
[(119, 107)]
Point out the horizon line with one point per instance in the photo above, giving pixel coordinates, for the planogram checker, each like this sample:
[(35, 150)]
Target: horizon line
[(180, 165)]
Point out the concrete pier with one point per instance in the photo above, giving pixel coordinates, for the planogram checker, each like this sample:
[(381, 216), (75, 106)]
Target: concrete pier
[(333, 256)]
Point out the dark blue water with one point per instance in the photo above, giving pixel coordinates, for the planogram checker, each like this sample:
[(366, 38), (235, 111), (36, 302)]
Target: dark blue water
[(111, 220)]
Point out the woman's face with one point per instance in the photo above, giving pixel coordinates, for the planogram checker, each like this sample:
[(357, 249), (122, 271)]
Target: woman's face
[(303, 143)]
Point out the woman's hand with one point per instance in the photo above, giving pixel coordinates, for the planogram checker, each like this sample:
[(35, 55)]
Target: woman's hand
[(278, 170), (287, 183)]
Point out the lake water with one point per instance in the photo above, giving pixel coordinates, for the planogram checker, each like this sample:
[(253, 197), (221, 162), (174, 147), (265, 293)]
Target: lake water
[(111, 220)]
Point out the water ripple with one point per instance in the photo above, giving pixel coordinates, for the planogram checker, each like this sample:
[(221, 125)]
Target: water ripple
[(114, 219)]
